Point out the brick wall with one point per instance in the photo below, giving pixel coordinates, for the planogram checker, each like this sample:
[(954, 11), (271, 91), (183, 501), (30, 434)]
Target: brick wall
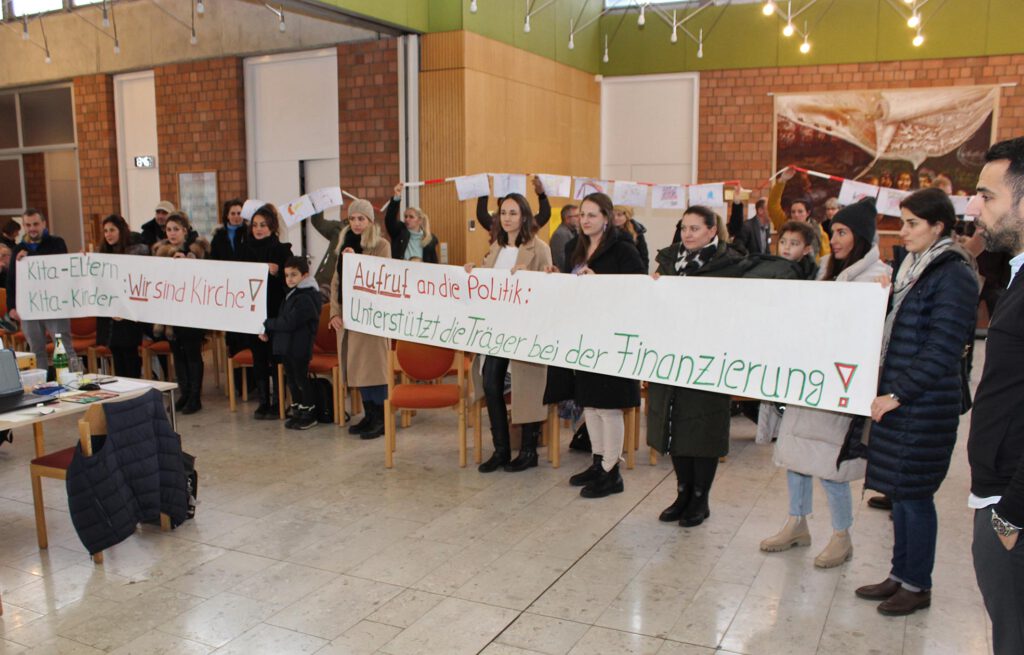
[(97, 150), (35, 182), (736, 111), (200, 124), (368, 139)]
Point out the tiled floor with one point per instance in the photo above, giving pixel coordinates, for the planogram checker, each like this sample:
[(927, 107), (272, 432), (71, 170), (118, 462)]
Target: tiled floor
[(304, 543)]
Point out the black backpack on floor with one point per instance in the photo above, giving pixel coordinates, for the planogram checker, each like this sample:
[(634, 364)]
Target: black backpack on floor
[(324, 399)]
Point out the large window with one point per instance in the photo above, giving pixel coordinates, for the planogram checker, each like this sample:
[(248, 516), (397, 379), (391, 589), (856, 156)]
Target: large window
[(37, 119), (30, 7)]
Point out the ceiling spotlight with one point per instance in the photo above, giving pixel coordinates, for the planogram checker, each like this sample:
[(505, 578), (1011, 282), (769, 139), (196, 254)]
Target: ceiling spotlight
[(280, 24), (805, 47), (700, 44), (605, 57), (641, 19), (194, 39), (24, 28), (526, 24), (918, 40), (472, 6), (769, 8), (914, 20), (117, 47), (200, 7), (788, 30), (572, 42), (106, 18), (48, 60), (909, 2)]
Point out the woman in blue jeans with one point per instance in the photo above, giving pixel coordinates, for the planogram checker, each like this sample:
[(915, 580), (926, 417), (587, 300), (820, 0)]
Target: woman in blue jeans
[(935, 298)]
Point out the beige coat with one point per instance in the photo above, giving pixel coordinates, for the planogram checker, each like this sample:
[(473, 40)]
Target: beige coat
[(363, 357), (810, 439), (528, 380)]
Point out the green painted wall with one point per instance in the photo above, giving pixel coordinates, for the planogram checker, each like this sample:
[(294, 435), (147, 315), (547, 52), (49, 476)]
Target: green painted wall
[(841, 31)]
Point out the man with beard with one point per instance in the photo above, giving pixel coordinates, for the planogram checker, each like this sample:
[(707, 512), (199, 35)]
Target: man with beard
[(995, 448)]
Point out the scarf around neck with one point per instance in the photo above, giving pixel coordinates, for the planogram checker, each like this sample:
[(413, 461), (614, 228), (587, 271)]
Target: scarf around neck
[(690, 261), (908, 275)]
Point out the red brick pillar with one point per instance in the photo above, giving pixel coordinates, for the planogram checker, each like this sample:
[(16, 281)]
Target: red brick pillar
[(97, 150)]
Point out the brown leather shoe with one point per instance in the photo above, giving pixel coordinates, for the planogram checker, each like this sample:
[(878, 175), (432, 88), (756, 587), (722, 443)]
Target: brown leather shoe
[(905, 602), (880, 502), (880, 591)]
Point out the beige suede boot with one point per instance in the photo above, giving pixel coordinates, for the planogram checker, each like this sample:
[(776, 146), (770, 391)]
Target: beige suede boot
[(838, 551), (794, 533)]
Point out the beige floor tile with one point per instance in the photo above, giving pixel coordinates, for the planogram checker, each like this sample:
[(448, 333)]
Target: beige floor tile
[(62, 646), (514, 580), (334, 608), (677, 648), (219, 574), (406, 561), (454, 627), (705, 621), (602, 641), (220, 619), (647, 609), (11, 648), (406, 608), (363, 638), (127, 621), (270, 640), (495, 648), (768, 625), (543, 634), (283, 583), (155, 642)]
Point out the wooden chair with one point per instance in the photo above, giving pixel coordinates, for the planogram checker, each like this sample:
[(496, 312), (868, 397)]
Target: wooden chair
[(241, 360), (97, 356), (9, 339), (631, 443), (150, 349), (55, 465), (325, 362), (83, 339), (422, 363)]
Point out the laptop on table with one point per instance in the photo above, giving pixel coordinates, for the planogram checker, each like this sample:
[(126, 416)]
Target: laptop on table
[(12, 395)]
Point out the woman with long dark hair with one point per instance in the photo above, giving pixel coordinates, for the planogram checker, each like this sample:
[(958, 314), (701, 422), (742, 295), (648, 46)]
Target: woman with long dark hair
[(515, 247), (122, 336), (603, 249), (818, 443), (186, 342), (262, 245), (226, 246), (934, 309)]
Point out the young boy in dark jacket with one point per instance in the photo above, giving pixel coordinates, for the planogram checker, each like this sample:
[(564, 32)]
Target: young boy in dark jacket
[(292, 333)]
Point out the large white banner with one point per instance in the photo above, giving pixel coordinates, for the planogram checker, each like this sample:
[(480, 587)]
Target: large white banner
[(806, 343), (186, 292)]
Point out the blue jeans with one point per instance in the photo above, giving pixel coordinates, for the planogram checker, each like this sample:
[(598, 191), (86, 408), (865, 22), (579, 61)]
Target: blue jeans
[(801, 499), (375, 394), (914, 525)]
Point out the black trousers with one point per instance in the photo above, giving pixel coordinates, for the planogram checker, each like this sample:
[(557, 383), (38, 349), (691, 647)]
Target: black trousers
[(1000, 575), (127, 362), (494, 372), (188, 362), (262, 361), (297, 372)]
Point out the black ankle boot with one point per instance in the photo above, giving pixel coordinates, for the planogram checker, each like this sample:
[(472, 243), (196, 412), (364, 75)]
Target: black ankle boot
[(591, 474), (697, 509), (182, 399), (684, 487), (607, 483), (528, 451), (376, 427), (362, 425), (499, 459), (265, 411)]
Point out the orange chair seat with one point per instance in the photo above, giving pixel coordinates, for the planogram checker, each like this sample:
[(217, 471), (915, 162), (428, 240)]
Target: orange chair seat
[(81, 344), (103, 351), (323, 362), (158, 347), (60, 459), (242, 358), (424, 396)]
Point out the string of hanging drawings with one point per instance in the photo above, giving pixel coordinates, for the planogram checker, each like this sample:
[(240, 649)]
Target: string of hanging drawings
[(622, 192)]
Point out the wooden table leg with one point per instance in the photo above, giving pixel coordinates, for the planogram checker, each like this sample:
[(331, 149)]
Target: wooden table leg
[(37, 435)]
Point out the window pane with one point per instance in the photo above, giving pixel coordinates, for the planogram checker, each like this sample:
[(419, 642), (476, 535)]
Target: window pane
[(36, 6), (8, 122), (10, 185), (79, 3), (46, 117)]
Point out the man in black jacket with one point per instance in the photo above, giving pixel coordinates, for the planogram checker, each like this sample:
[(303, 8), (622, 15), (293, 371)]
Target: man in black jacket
[(37, 241), (756, 233), (153, 230), (995, 448)]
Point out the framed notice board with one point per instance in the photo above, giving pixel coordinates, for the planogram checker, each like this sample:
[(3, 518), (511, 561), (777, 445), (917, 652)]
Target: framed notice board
[(197, 197)]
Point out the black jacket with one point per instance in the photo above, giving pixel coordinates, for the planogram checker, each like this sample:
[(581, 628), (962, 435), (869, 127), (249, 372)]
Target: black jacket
[(152, 232), (750, 237), (616, 255), (728, 261), (486, 219), (220, 245), (910, 448), (400, 235), (995, 448), (49, 245), (293, 331), (641, 243), (135, 473), (773, 267), (269, 250)]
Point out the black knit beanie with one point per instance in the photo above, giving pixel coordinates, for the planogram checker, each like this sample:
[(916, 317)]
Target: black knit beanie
[(861, 217)]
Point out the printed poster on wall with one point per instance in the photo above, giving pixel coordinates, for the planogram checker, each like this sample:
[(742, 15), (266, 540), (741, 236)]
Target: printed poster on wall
[(197, 197)]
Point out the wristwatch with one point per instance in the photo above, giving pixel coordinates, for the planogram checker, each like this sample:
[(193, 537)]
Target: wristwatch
[(894, 397), (1003, 527)]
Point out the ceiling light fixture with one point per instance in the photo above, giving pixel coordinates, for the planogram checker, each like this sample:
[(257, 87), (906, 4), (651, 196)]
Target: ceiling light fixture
[(200, 7), (472, 6), (604, 58), (769, 8)]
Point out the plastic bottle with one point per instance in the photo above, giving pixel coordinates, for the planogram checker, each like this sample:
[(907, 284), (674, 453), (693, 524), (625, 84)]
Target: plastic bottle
[(60, 358)]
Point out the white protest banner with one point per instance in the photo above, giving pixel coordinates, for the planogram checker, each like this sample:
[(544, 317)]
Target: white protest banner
[(684, 331), (206, 294), (472, 186), (556, 186), (960, 204), (630, 194), (326, 198), (250, 207), (297, 210), (851, 192), (668, 196), (506, 183), (587, 185), (889, 199), (707, 194)]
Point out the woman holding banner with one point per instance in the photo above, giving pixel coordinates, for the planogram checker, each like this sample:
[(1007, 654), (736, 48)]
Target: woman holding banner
[(262, 245), (691, 424), (828, 445), (186, 342), (364, 357), (514, 248), (122, 336), (603, 249), (923, 391), (226, 246), (411, 237)]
